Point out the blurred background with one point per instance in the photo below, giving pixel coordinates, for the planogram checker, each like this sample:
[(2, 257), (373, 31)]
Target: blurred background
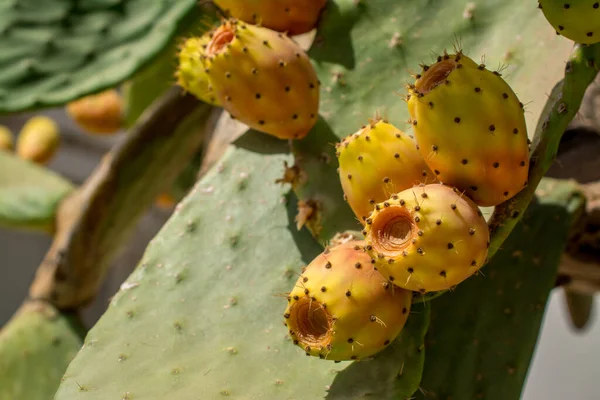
[(565, 363)]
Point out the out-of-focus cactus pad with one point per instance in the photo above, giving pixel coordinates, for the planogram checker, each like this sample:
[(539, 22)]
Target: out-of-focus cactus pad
[(35, 348), (29, 194), (54, 51)]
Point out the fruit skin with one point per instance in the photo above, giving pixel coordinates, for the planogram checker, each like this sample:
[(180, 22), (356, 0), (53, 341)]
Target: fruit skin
[(292, 16), (376, 162), (100, 113), (427, 238), (191, 74), (6, 139), (264, 79), (38, 140), (470, 128), (355, 309), (578, 20)]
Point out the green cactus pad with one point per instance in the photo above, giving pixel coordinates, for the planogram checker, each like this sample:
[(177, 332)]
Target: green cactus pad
[(55, 51), (29, 194), (36, 347), (483, 334), (363, 70), (201, 315)]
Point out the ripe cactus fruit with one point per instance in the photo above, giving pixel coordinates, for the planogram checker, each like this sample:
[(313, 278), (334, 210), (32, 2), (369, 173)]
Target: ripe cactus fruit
[(470, 128), (38, 140), (6, 139), (191, 74), (263, 78), (292, 16), (342, 309), (100, 113), (376, 162), (427, 238), (578, 20)]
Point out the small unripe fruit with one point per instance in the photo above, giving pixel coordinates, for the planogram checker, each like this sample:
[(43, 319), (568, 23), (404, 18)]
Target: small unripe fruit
[(100, 113), (6, 139), (578, 20), (376, 162), (470, 128), (341, 308), (38, 140), (291, 16), (427, 238)]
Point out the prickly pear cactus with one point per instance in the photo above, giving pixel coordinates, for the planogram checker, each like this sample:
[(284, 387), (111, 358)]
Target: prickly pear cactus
[(55, 51), (362, 71), (36, 347), (483, 334), (29, 194), (228, 305)]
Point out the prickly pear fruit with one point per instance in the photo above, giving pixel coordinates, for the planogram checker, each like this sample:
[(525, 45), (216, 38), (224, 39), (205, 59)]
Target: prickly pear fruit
[(6, 139), (292, 16), (341, 308), (578, 20), (263, 78), (38, 140), (100, 113), (470, 128), (427, 238), (191, 74), (376, 162)]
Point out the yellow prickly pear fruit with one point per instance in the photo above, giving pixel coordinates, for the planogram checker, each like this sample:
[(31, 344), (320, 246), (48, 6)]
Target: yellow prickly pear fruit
[(6, 139), (578, 20), (427, 238), (292, 16), (376, 162), (470, 128), (263, 78), (341, 308), (100, 113), (38, 140), (191, 74)]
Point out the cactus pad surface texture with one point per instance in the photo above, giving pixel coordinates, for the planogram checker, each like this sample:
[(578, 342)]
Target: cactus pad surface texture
[(203, 309), (36, 347), (55, 51), (29, 194)]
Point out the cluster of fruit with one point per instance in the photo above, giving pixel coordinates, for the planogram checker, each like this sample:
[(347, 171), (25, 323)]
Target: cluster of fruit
[(417, 198)]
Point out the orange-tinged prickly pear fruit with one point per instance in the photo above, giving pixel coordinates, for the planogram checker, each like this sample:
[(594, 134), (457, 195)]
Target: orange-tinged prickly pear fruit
[(292, 16), (341, 308), (578, 20), (427, 238), (100, 113), (470, 128), (165, 201), (376, 162), (6, 139), (263, 78), (38, 140), (191, 74)]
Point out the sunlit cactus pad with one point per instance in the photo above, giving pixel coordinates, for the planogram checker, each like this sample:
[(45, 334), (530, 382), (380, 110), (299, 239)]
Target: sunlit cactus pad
[(54, 51)]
